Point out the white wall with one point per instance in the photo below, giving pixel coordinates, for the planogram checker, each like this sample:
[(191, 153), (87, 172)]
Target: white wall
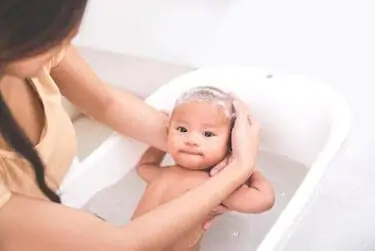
[(327, 39), (166, 29), (320, 38), (293, 35)]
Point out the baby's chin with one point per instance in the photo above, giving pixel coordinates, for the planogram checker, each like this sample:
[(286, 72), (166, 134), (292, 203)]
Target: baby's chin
[(191, 164), (195, 168)]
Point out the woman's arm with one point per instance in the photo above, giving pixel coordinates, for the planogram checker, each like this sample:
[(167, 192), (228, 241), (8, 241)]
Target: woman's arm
[(27, 224), (35, 225), (120, 110), (148, 166), (256, 196)]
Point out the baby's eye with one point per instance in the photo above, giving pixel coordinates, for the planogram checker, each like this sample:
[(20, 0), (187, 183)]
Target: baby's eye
[(208, 134), (182, 129)]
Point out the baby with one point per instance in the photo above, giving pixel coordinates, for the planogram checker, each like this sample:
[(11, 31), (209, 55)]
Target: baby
[(199, 136)]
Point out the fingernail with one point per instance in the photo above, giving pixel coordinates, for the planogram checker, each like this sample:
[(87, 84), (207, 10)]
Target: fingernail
[(207, 225)]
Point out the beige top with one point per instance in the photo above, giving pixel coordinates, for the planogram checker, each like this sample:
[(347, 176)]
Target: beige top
[(57, 146)]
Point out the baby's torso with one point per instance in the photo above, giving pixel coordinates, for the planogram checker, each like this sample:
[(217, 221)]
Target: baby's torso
[(178, 181), (173, 182)]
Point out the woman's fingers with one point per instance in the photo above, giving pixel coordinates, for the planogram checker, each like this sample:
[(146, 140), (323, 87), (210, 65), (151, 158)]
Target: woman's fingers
[(254, 124), (245, 136), (240, 131), (166, 117), (165, 112), (217, 211), (221, 210), (216, 169), (241, 109), (208, 224)]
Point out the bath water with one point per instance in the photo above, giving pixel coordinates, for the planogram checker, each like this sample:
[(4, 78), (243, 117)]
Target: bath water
[(233, 231)]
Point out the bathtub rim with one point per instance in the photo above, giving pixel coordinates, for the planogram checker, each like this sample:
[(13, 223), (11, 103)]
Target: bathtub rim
[(289, 218)]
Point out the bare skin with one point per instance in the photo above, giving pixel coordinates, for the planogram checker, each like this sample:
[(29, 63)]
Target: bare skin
[(169, 182), (28, 224), (172, 182), (197, 137)]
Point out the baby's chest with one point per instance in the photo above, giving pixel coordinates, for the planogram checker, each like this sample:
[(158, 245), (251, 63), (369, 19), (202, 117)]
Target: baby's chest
[(178, 183)]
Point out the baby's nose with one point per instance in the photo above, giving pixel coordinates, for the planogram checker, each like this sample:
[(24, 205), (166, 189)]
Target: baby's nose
[(192, 139)]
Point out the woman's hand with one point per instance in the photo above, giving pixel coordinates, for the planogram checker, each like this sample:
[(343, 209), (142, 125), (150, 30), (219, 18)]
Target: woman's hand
[(217, 211), (244, 151), (245, 140), (166, 118)]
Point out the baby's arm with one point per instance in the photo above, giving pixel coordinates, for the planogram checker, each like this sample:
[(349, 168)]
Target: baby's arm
[(256, 196), (148, 166)]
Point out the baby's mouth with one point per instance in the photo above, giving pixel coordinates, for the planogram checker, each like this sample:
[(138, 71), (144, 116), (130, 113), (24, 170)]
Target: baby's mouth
[(191, 153)]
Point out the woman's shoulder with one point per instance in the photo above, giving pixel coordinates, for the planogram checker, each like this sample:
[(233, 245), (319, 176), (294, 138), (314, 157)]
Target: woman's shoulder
[(55, 60), (4, 194), (43, 82), (4, 191)]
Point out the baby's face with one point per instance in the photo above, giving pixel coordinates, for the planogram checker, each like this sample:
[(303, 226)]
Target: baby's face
[(198, 135)]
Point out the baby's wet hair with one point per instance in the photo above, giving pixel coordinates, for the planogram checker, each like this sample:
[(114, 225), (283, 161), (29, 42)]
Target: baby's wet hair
[(209, 94)]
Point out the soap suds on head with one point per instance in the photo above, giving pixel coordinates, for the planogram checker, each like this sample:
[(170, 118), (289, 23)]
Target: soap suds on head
[(210, 95)]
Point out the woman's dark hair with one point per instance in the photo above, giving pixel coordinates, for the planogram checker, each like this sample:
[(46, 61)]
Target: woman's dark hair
[(28, 28)]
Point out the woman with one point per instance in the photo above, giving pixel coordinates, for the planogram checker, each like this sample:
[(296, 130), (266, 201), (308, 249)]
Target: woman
[(37, 144)]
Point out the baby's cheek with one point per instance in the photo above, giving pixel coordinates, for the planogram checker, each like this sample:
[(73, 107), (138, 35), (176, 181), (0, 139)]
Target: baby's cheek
[(223, 143), (173, 145), (219, 151)]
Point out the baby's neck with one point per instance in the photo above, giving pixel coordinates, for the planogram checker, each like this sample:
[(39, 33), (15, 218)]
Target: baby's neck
[(206, 170)]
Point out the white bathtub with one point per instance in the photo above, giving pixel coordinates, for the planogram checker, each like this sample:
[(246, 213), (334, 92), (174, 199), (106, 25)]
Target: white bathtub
[(304, 123)]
